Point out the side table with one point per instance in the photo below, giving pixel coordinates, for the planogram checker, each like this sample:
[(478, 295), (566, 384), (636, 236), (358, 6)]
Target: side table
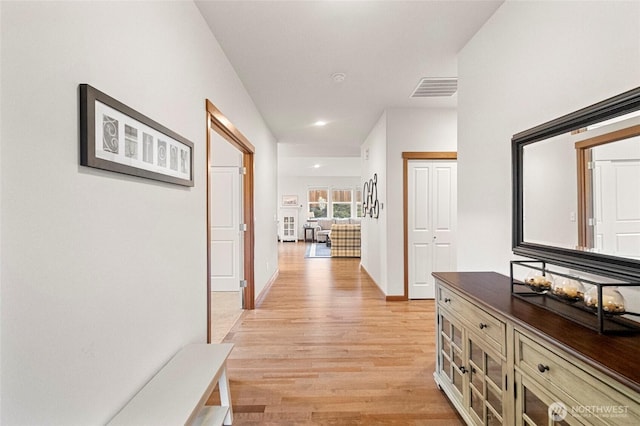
[(313, 233)]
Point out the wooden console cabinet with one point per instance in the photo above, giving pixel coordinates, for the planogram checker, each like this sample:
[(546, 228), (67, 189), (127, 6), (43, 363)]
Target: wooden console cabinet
[(503, 361)]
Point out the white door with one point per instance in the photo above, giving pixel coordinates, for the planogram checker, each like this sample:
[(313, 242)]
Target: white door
[(226, 241), (617, 214), (432, 207)]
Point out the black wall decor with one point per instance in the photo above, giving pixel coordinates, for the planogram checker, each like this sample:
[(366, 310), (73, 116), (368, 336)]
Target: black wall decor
[(370, 204)]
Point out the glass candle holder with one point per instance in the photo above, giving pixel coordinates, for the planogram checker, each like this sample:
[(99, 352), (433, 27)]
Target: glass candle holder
[(568, 289), (612, 300), (538, 282)]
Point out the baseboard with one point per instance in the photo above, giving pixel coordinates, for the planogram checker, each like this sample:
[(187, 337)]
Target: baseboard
[(266, 288), (371, 278), (386, 297), (396, 298)]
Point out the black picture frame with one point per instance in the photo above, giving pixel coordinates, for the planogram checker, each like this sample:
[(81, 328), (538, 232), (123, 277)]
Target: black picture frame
[(597, 263), (117, 138)]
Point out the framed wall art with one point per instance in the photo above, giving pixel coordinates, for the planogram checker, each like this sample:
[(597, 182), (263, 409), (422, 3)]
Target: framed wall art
[(290, 200), (117, 138)]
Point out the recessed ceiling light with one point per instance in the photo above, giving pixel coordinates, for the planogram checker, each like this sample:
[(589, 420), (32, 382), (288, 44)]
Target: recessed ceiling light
[(316, 166), (320, 123), (338, 77)]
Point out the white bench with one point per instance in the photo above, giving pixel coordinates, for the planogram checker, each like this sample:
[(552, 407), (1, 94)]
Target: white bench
[(177, 393)]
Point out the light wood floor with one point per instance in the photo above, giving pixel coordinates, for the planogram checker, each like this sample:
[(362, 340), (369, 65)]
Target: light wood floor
[(325, 348)]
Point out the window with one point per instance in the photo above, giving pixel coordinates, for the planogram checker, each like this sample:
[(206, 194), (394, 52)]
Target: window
[(318, 202), (358, 202), (341, 203)]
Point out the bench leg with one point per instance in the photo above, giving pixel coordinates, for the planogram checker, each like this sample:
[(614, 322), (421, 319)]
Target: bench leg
[(225, 395)]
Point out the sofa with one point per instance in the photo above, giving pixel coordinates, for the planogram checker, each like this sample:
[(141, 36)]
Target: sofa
[(345, 240), (323, 227)]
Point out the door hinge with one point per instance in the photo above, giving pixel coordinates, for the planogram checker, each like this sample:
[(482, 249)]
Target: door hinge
[(591, 221), (591, 165), (242, 170), (243, 283), (243, 227)]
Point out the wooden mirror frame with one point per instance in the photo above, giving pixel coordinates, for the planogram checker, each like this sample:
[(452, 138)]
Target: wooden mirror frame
[(598, 263)]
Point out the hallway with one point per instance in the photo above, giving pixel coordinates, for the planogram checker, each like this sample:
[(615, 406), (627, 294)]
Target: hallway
[(324, 347)]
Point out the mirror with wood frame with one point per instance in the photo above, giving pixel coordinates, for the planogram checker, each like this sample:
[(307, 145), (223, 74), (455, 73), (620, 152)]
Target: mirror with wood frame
[(576, 189)]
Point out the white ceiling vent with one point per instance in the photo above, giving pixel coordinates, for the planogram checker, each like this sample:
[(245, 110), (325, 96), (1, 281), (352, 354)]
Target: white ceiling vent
[(435, 87)]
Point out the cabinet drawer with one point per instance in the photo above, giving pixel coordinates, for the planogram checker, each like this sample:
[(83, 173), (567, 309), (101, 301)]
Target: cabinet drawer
[(482, 323), (596, 401)]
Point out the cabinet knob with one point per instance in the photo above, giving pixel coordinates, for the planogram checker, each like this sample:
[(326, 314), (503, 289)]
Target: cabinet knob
[(543, 368), (447, 300), (462, 369), (483, 325)]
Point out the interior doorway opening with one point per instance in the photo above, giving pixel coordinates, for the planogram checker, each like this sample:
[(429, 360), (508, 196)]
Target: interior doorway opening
[(230, 230)]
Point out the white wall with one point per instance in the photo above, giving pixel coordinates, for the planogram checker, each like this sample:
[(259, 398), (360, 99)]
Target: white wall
[(409, 130), (104, 275), (530, 63), (265, 206), (374, 231)]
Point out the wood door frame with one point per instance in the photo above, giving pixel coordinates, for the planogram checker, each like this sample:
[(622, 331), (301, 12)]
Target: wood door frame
[(220, 124), (406, 157), (585, 180)]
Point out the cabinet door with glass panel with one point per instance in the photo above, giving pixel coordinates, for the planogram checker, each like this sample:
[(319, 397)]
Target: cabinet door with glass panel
[(487, 381), (472, 374), (289, 225), (535, 407), (450, 368)]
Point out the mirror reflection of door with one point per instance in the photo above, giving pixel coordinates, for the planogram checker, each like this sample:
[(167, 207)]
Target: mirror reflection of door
[(616, 214), (609, 193)]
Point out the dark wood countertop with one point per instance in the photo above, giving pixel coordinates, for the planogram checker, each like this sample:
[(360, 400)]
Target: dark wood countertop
[(615, 356)]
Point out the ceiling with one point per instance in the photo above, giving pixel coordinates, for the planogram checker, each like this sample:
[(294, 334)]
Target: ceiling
[(285, 53), (319, 166)]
